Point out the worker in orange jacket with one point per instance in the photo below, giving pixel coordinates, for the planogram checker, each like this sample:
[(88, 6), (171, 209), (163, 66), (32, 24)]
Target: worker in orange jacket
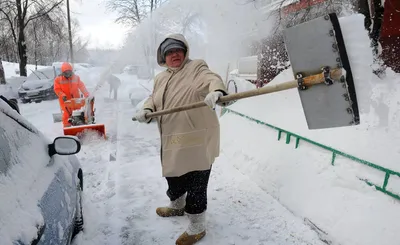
[(66, 87)]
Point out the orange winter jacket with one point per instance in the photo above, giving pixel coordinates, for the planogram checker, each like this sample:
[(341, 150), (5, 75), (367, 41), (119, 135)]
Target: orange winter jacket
[(69, 87)]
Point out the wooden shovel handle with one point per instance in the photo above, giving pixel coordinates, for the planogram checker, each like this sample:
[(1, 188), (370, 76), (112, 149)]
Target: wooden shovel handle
[(308, 81)]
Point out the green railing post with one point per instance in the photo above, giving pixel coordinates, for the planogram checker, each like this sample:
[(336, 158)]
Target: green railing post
[(287, 137), (333, 158), (297, 142), (385, 182)]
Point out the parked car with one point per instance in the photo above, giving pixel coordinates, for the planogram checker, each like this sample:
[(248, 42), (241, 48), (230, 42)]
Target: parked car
[(86, 65), (144, 72), (39, 85), (40, 188), (130, 69)]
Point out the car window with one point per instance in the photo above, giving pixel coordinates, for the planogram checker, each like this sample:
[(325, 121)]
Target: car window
[(58, 71), (14, 137), (49, 73), (34, 76), (41, 74)]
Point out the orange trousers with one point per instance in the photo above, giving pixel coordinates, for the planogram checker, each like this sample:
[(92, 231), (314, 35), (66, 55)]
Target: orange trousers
[(65, 114)]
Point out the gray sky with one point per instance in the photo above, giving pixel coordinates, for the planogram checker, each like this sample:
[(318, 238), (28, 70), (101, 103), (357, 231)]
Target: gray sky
[(98, 24)]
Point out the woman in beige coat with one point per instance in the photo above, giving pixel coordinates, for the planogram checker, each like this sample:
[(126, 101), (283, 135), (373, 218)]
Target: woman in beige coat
[(190, 139)]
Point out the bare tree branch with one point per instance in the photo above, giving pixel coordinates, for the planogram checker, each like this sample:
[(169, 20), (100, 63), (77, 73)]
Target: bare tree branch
[(16, 17), (133, 12), (43, 11), (11, 23)]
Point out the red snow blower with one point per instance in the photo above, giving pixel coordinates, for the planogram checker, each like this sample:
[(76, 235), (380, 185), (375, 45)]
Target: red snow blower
[(82, 117)]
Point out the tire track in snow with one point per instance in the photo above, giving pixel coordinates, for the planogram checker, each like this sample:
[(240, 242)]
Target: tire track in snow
[(112, 175), (138, 164)]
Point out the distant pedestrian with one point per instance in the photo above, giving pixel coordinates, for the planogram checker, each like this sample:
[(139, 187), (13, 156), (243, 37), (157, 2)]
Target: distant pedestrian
[(114, 82)]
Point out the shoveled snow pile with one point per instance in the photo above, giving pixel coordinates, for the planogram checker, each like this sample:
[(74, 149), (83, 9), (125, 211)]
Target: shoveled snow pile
[(332, 197)]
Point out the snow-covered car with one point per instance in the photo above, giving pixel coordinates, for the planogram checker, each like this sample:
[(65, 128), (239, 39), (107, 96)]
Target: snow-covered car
[(130, 69), (85, 65), (39, 85), (144, 72), (41, 183)]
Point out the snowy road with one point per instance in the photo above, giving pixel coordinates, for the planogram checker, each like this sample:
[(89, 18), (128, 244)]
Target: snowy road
[(121, 194)]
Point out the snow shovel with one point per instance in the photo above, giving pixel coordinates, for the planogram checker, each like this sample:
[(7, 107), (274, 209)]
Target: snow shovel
[(322, 76), (317, 43)]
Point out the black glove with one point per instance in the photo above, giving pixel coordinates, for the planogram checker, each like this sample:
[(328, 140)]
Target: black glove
[(64, 98)]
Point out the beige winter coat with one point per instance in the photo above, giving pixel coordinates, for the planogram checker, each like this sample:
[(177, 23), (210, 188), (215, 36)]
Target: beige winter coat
[(190, 139)]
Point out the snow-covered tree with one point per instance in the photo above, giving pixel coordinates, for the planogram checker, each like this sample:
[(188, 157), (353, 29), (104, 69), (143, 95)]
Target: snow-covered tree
[(2, 75), (133, 12), (19, 14)]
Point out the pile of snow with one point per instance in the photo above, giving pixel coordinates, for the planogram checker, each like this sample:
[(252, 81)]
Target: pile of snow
[(7, 91), (332, 197)]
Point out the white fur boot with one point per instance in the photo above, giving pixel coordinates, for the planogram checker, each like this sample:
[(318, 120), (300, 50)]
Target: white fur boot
[(195, 231), (175, 208)]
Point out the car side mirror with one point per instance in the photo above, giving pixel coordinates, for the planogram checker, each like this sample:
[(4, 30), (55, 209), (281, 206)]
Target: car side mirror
[(65, 145)]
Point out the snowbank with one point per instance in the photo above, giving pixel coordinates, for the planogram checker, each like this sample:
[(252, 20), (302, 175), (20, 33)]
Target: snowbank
[(303, 179), (12, 69), (348, 210)]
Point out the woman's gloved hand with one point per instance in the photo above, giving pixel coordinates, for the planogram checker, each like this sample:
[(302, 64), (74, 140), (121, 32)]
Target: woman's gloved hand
[(212, 98), (141, 116)]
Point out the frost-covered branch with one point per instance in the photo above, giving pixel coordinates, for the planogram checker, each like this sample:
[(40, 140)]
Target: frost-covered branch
[(16, 17)]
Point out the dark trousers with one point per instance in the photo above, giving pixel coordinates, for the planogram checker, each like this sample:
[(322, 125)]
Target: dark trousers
[(195, 184), (115, 92)]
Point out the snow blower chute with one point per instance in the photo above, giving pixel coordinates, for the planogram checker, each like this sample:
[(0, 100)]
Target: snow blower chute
[(322, 73), (82, 117)]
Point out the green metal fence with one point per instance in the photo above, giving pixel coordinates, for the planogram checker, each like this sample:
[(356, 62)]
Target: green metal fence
[(335, 152)]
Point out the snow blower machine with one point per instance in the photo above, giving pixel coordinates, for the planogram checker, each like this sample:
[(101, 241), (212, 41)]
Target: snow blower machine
[(82, 117)]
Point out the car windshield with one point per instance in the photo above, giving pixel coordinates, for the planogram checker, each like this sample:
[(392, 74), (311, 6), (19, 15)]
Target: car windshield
[(58, 71), (41, 74)]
